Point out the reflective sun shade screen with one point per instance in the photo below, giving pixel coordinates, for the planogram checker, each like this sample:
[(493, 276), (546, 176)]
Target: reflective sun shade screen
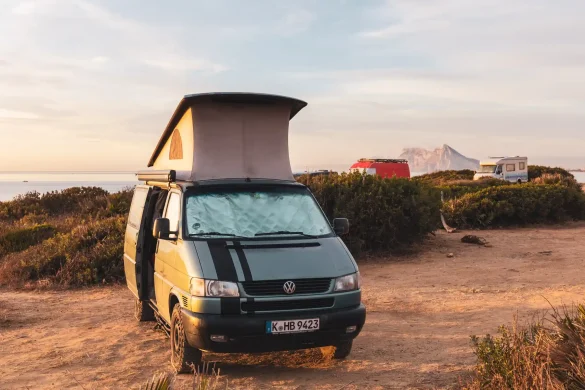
[(253, 213)]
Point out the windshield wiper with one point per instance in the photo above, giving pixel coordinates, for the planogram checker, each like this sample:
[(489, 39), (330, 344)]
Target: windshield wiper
[(212, 234), (283, 232)]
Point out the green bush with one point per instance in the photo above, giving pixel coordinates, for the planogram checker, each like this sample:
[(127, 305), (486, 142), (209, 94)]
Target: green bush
[(20, 239), (87, 201), (515, 205), (557, 178), (455, 189), (119, 202), (535, 171), (384, 213), (90, 253), (442, 177)]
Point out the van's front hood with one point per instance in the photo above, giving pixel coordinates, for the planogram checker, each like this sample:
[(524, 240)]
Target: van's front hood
[(274, 260)]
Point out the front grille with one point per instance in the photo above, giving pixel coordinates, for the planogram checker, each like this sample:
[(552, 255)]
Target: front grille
[(288, 305), (275, 287)]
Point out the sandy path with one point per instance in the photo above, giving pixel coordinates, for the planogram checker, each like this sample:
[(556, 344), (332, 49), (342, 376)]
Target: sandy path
[(421, 311)]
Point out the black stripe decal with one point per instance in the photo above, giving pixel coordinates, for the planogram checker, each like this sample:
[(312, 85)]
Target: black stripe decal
[(230, 305), (243, 262), (222, 260)]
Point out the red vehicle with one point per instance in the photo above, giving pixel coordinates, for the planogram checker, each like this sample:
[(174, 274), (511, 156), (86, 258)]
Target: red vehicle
[(382, 167)]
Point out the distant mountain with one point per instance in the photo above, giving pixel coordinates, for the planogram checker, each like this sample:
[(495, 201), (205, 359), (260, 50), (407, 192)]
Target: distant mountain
[(440, 159)]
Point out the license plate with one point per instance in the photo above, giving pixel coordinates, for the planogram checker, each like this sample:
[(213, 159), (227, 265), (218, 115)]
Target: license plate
[(292, 326)]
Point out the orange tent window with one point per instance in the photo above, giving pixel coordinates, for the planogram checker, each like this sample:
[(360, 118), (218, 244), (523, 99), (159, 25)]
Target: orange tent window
[(176, 152)]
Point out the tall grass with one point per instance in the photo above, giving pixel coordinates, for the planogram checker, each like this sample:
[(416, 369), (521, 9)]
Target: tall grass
[(546, 354), (205, 377)]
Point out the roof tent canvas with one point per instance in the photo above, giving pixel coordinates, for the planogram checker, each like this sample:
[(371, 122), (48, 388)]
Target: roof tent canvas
[(228, 136)]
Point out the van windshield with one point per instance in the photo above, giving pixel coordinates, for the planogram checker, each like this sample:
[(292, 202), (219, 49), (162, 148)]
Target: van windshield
[(254, 213), (487, 168)]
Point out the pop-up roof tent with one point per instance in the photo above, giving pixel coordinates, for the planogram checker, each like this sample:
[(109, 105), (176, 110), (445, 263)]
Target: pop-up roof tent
[(228, 136)]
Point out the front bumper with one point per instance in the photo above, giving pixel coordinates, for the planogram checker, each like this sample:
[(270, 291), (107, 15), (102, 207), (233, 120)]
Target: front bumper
[(247, 333)]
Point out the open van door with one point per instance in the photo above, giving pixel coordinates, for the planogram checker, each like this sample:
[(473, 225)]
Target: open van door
[(134, 242)]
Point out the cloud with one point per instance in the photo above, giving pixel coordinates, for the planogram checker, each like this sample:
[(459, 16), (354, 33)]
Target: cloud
[(183, 64), (296, 21), (25, 8), (377, 78), (100, 60), (12, 114)]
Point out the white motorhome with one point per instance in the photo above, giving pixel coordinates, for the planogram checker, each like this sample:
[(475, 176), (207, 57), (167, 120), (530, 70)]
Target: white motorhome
[(514, 169)]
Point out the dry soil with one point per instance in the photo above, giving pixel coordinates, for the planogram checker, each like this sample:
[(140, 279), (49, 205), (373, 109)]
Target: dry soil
[(422, 308)]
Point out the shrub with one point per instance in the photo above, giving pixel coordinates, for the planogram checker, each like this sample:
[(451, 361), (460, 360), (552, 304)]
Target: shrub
[(384, 213), (18, 240), (88, 201), (515, 205), (557, 178), (90, 253), (548, 354), (119, 202), (536, 171), (459, 188), (442, 177)]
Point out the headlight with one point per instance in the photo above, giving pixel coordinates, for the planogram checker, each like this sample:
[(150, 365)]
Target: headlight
[(217, 288), (213, 288), (197, 287), (348, 282)]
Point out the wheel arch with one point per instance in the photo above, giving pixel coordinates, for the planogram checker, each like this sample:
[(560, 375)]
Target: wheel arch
[(173, 300)]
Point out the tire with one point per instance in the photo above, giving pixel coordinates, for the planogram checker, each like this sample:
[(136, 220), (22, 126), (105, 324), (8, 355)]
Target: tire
[(519, 181), (183, 356), (342, 350), (143, 311), (339, 351)]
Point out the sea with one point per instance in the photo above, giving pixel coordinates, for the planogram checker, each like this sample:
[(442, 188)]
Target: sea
[(18, 183)]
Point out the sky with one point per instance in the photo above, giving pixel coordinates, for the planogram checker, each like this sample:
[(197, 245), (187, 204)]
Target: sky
[(90, 85)]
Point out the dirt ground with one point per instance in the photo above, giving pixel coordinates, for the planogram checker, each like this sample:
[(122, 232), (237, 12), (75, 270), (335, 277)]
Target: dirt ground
[(422, 309)]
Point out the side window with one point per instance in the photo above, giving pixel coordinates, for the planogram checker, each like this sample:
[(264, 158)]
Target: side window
[(522, 166), (510, 167), (174, 211), (137, 207)]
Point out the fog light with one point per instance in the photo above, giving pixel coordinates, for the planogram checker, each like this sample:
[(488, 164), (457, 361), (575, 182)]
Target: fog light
[(350, 329), (219, 338)]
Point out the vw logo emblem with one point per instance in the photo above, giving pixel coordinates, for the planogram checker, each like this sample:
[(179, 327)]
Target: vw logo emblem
[(289, 287)]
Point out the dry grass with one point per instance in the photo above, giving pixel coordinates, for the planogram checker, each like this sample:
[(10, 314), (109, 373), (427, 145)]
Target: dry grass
[(205, 377), (547, 354)]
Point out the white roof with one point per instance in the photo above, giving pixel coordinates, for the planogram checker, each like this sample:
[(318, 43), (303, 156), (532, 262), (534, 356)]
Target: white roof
[(228, 136), (497, 160)]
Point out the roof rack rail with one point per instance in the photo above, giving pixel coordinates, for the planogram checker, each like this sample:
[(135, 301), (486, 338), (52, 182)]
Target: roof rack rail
[(384, 160), (161, 176)]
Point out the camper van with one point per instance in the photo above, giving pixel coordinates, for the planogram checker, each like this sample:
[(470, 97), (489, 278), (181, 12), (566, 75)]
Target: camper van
[(225, 249), (382, 167), (514, 169)]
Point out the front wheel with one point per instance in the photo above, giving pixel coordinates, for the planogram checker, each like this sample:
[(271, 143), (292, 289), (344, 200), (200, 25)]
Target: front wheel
[(183, 356)]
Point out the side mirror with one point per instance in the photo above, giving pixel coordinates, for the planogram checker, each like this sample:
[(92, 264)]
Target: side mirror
[(341, 226), (161, 228)]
